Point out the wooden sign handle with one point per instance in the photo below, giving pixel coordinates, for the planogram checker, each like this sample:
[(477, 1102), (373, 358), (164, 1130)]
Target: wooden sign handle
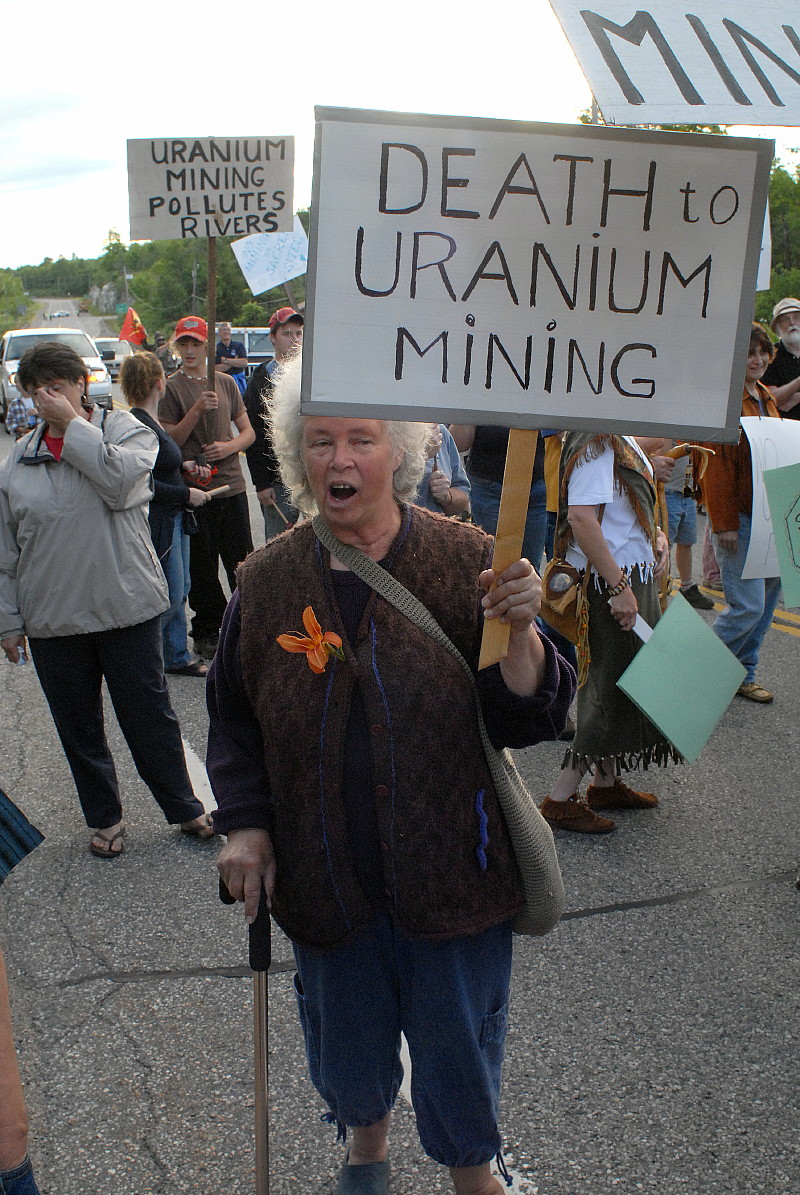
[(510, 531), (211, 343)]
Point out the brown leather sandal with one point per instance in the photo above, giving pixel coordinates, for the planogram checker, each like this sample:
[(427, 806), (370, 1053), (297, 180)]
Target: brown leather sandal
[(107, 851)]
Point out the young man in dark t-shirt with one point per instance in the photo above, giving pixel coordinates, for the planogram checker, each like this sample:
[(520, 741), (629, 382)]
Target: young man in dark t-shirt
[(286, 334)]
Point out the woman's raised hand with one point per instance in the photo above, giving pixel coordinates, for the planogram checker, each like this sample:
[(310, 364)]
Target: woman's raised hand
[(515, 596)]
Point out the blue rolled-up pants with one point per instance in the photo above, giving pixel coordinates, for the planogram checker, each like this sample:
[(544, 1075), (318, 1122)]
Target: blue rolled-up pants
[(449, 998)]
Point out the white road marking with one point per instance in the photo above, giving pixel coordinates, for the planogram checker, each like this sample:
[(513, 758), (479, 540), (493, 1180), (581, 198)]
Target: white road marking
[(199, 777), (405, 1058)]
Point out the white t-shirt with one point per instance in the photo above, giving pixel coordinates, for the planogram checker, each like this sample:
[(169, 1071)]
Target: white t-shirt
[(591, 483)]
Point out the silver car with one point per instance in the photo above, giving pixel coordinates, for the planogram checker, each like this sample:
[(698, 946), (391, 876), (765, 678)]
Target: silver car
[(120, 349), (17, 342)]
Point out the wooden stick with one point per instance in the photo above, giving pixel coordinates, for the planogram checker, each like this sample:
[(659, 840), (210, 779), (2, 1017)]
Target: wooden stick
[(220, 489), (211, 343), (278, 510), (510, 531)]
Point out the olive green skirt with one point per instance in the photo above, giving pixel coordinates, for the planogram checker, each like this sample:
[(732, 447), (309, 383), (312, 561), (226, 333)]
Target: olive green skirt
[(609, 725)]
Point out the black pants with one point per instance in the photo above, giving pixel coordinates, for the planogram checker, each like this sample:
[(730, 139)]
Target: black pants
[(71, 669), (224, 532)]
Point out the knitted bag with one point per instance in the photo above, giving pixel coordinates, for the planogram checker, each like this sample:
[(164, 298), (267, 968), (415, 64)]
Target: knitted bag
[(531, 837)]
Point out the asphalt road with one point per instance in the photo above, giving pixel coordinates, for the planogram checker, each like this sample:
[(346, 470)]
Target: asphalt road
[(654, 1037)]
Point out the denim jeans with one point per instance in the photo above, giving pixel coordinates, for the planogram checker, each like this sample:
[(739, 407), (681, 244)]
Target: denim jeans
[(173, 623), (451, 1001), (682, 514), (745, 621), (485, 503), (19, 1181)]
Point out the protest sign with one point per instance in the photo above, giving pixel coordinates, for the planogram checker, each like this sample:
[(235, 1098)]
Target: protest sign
[(683, 678), (774, 444), (532, 275), (270, 259), (659, 63), (764, 279), (783, 495), (209, 186)]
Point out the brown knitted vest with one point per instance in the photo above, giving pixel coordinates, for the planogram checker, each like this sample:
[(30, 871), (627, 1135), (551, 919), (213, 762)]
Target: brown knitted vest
[(437, 812)]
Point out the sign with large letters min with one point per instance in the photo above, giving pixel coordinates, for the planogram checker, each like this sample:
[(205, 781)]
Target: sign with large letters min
[(568, 276), (666, 62), (180, 188)]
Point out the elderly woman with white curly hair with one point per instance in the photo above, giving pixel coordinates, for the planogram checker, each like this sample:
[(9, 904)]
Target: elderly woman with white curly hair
[(352, 786)]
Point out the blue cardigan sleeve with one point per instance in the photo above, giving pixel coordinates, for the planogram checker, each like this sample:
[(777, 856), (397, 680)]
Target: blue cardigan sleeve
[(235, 754)]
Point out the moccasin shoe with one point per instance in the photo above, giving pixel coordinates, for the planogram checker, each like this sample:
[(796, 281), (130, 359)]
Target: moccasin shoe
[(619, 796), (576, 815), (753, 691), (370, 1179)]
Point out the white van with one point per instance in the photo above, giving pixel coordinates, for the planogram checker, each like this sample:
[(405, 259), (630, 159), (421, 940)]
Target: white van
[(17, 342)]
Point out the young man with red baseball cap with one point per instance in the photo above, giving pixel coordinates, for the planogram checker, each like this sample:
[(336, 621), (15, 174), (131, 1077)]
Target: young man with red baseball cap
[(286, 333), (199, 420)]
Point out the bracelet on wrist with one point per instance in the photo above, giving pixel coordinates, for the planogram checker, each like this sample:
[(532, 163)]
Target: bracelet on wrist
[(616, 590)]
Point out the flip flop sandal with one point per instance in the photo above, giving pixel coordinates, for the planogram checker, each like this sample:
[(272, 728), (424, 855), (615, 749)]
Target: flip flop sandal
[(204, 831), (107, 852)]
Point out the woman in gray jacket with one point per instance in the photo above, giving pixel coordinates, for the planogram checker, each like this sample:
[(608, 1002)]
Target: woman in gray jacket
[(80, 579)]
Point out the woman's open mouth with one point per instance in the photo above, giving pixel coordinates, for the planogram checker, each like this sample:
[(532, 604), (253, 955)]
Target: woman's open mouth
[(339, 492)]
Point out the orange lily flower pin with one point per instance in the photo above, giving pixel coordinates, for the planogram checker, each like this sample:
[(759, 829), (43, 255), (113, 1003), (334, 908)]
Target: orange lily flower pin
[(317, 645)]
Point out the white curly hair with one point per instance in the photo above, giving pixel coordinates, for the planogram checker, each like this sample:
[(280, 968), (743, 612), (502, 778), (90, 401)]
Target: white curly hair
[(285, 424)]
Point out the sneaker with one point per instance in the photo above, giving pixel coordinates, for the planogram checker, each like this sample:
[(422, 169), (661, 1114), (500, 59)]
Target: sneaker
[(619, 796), (576, 815), (717, 586), (695, 598), (753, 691)]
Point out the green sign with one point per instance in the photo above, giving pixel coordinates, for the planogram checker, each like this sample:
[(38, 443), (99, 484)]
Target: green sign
[(121, 308)]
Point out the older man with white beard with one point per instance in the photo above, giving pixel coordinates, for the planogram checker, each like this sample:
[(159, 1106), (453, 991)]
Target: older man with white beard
[(782, 376)]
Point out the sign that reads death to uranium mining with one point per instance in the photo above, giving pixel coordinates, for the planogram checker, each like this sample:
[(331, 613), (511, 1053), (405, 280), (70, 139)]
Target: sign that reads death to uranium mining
[(187, 187), (531, 275)]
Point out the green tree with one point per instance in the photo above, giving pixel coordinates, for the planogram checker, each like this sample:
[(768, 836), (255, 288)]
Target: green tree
[(784, 207), (585, 117), (15, 305), (252, 315)]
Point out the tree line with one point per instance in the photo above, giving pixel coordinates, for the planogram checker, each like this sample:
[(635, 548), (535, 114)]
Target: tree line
[(162, 280)]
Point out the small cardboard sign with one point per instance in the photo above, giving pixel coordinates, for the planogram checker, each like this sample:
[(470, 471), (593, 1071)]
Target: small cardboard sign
[(663, 62), (531, 276), (269, 259), (774, 444), (683, 678), (191, 187), (783, 494)]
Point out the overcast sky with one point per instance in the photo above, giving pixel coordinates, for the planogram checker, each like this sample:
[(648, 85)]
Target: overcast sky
[(78, 80)]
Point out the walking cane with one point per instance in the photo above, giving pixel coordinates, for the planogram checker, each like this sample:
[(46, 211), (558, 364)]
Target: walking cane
[(260, 950)]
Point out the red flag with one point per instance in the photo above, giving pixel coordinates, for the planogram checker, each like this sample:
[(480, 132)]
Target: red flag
[(132, 328)]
